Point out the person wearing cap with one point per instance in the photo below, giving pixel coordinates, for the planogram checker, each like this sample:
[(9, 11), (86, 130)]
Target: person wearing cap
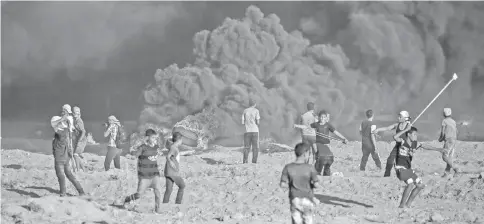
[(62, 149), (448, 135), (403, 122), (79, 138), (113, 152), (251, 119)]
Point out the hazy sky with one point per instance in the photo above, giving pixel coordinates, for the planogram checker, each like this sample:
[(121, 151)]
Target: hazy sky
[(101, 55)]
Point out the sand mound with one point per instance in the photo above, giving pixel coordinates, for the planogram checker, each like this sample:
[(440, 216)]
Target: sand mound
[(221, 190)]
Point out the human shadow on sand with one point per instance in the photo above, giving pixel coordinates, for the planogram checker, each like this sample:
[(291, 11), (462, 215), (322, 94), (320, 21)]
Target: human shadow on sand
[(330, 200), (212, 161), (25, 193), (44, 188), (13, 166)]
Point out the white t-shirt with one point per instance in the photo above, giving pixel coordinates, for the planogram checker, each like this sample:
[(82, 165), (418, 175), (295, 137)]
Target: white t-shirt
[(249, 118)]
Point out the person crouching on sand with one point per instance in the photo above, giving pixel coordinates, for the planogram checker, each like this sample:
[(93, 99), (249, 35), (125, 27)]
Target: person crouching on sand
[(403, 123), (325, 156), (148, 173), (448, 135), (62, 150), (172, 170), (79, 138), (301, 178)]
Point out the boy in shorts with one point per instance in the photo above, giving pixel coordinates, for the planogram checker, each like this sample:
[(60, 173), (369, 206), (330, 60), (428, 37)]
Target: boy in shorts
[(301, 178), (407, 145)]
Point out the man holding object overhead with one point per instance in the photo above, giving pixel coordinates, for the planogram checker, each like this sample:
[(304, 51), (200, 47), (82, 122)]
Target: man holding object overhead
[(251, 118)]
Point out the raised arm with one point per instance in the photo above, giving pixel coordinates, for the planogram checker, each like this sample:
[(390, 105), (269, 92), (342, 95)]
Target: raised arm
[(430, 148), (391, 127), (137, 152), (108, 130)]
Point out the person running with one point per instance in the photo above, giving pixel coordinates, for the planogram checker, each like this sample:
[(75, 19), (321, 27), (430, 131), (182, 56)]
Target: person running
[(251, 119), (113, 153), (172, 170), (79, 138), (368, 141), (448, 135), (301, 178), (308, 135), (62, 150), (148, 173), (403, 122), (407, 146), (325, 157)]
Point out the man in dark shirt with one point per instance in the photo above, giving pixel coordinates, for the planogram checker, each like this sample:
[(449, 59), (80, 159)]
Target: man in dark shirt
[(368, 141), (148, 172), (325, 157), (300, 178), (403, 165)]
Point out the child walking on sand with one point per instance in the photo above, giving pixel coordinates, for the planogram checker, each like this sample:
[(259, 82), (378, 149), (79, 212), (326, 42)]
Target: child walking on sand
[(172, 170), (301, 178), (368, 141), (325, 156), (448, 135), (148, 173)]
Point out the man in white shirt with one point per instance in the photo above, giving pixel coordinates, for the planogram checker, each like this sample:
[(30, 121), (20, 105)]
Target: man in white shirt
[(250, 118)]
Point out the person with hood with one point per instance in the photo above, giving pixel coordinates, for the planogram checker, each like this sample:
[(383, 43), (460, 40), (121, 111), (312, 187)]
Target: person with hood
[(62, 150), (79, 138), (113, 153), (403, 123)]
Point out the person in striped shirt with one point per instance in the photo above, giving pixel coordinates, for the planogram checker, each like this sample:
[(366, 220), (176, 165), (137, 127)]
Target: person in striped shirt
[(148, 172)]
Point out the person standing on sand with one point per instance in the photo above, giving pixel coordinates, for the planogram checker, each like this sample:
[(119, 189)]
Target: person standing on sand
[(113, 152), (301, 178), (308, 135), (251, 119), (325, 157), (403, 122), (148, 173), (448, 135), (172, 170), (79, 138), (368, 141), (62, 150)]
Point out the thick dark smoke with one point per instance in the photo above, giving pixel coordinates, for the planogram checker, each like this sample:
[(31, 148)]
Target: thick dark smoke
[(347, 57), (384, 57)]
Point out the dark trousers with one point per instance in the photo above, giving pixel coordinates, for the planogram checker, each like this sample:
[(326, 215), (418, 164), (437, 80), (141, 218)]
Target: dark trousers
[(324, 163), (366, 155), (390, 161), (63, 170), (251, 139), (112, 154), (169, 188)]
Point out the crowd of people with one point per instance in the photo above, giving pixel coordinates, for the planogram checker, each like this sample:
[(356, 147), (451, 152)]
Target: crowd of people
[(299, 177)]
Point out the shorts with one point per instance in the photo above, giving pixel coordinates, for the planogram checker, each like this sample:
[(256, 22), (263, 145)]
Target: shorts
[(408, 176), (309, 139), (302, 210)]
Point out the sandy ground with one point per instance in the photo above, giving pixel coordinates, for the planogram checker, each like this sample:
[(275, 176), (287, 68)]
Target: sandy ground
[(222, 190)]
